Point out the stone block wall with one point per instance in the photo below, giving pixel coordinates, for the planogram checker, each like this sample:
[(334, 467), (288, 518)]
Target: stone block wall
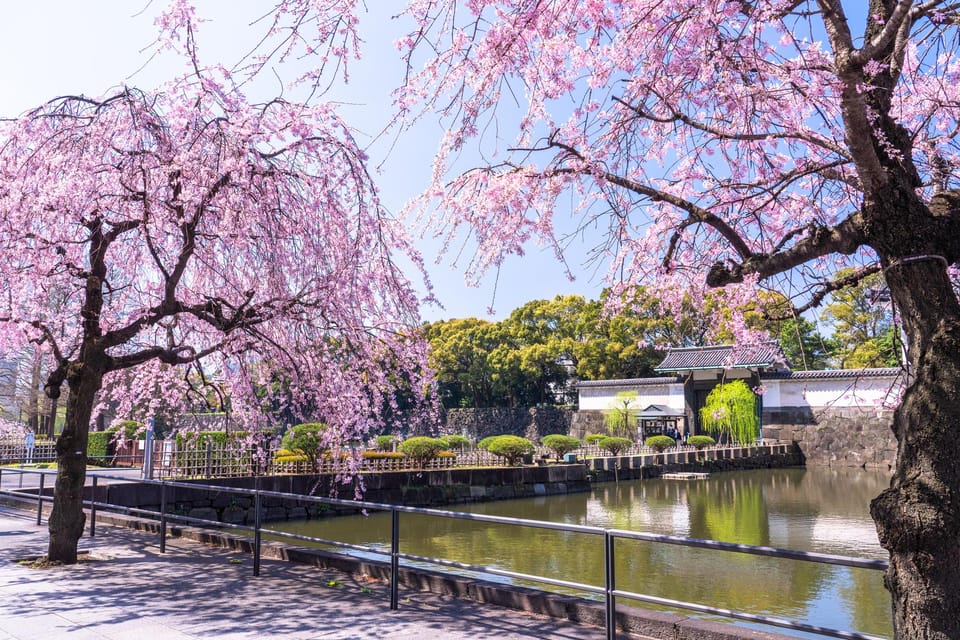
[(827, 436), (842, 436)]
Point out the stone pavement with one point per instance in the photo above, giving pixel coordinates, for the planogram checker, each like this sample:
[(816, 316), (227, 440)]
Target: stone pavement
[(128, 590)]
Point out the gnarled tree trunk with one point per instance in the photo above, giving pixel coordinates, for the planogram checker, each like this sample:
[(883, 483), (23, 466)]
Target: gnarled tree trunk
[(918, 517), (67, 517)]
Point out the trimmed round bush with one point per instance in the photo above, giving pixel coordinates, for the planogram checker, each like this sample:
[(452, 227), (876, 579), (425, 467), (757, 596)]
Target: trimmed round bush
[(594, 438), (283, 456), (615, 445), (485, 443), (511, 448), (659, 443), (701, 442), (421, 449), (455, 442), (383, 455), (305, 439), (560, 444), (385, 443)]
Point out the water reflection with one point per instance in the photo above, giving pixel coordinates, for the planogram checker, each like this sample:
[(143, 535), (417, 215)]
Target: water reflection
[(807, 509)]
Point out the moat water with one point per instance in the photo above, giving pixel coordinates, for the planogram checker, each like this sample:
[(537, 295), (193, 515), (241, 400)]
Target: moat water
[(815, 509)]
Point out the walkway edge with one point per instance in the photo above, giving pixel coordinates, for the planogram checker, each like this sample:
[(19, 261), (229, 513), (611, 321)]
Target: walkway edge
[(655, 625)]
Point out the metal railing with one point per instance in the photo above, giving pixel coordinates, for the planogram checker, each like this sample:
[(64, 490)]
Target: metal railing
[(608, 537)]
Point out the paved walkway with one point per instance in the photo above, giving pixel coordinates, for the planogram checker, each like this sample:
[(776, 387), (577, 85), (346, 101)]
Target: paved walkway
[(128, 590)]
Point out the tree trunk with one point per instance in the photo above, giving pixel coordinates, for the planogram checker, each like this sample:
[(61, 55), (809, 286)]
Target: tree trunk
[(33, 396), (67, 518), (918, 517)]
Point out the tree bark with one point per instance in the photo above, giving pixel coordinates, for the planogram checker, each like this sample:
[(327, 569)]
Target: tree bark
[(67, 518), (918, 517)]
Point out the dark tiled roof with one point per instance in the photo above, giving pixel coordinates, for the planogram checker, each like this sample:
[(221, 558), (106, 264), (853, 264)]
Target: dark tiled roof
[(833, 373), (626, 382), (722, 357), (659, 410)]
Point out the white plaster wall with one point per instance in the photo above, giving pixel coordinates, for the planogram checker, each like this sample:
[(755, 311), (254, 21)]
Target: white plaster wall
[(601, 398), (771, 394), (859, 391)]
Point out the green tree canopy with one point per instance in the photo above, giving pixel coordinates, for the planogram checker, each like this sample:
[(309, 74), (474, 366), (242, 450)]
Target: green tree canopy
[(863, 325)]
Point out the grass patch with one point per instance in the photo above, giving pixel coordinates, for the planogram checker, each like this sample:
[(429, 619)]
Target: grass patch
[(43, 562)]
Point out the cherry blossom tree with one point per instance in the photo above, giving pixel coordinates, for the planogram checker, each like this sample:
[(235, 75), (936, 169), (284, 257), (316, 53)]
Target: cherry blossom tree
[(732, 143), (191, 235)]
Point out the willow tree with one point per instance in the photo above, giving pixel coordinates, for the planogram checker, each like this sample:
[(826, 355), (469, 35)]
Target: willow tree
[(731, 409), (732, 143), (191, 235)]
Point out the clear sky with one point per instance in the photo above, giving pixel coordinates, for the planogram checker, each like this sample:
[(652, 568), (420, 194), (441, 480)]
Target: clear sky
[(62, 47)]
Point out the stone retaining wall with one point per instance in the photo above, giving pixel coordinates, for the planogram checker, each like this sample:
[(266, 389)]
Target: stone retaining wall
[(830, 436), (843, 437), (418, 489), (764, 456)]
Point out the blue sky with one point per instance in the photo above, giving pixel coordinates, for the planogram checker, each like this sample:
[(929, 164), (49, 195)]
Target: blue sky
[(68, 47)]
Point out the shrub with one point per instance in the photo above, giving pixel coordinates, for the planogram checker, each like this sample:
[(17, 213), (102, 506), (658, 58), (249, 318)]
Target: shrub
[(217, 437), (385, 443), (615, 445), (560, 444), (130, 428), (659, 443), (99, 445), (383, 455), (455, 442), (421, 449), (511, 448), (306, 439), (283, 456), (485, 443), (700, 442), (593, 438)]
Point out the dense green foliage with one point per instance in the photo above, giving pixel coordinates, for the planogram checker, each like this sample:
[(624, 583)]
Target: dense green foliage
[(863, 328), (98, 445), (385, 443), (615, 445), (532, 356), (594, 438), (701, 442), (455, 442), (731, 409), (560, 444), (511, 448), (306, 439), (422, 449), (659, 443), (485, 442)]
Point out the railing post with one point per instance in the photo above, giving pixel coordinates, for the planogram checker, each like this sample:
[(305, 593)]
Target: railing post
[(93, 508), (208, 460), (256, 534), (40, 498), (394, 559), (610, 579), (163, 516)]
